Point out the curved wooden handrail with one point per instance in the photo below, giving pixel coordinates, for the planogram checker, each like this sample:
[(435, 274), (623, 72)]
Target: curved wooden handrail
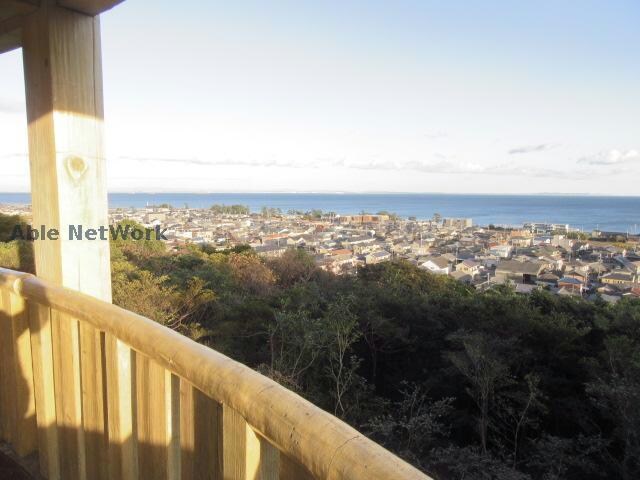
[(326, 446)]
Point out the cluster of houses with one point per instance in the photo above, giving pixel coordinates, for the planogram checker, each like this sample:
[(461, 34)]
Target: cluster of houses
[(535, 256)]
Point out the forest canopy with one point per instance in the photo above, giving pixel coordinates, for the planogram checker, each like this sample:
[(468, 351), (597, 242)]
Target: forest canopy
[(463, 384)]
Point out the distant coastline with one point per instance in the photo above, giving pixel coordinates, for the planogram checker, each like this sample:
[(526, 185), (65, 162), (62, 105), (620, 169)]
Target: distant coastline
[(585, 212), (366, 192)]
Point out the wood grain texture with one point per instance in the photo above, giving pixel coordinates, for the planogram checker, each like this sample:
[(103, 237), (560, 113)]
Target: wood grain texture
[(172, 406), (187, 430), (63, 86), (26, 440), (234, 445), (11, 33), (17, 396), (262, 458), (152, 419), (43, 379), (246, 454), (123, 460), (93, 408), (7, 371), (14, 8), (89, 7), (311, 437), (67, 378), (200, 435), (291, 470)]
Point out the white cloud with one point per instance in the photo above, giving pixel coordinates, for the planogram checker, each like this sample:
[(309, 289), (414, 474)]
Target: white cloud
[(531, 148), (11, 106), (611, 157), (435, 135), (438, 167), (13, 155)]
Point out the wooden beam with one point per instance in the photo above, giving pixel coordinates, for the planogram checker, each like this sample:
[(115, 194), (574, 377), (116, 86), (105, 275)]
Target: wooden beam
[(12, 17), (12, 8), (13, 13), (10, 40), (89, 7)]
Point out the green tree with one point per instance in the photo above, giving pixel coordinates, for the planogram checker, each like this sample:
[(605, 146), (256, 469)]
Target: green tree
[(16, 254), (342, 366)]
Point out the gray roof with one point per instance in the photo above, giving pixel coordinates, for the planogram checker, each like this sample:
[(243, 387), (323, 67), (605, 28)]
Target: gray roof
[(440, 262), (619, 276), (513, 266)]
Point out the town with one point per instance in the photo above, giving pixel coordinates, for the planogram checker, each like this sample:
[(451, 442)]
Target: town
[(595, 265)]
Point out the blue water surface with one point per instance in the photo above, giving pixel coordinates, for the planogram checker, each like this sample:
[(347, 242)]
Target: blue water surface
[(586, 212)]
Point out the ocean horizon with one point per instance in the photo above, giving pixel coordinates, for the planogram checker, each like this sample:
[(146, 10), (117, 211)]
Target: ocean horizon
[(585, 212)]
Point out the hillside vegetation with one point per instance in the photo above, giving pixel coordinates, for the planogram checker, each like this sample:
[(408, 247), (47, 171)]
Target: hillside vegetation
[(460, 383)]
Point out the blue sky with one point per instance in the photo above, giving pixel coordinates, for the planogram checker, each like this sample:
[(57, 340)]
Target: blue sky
[(415, 96)]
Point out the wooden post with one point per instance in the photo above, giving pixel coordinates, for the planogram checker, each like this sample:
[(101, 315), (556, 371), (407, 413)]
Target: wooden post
[(63, 82), (17, 403), (152, 419), (200, 435), (246, 454), (63, 79), (43, 380)]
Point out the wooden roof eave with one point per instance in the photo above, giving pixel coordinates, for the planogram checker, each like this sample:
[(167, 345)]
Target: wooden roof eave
[(13, 13), (89, 7)]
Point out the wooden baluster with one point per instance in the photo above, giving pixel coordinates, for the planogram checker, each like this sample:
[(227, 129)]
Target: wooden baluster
[(292, 470), (263, 459), (67, 380), (200, 435), (157, 420), (17, 398), (119, 365), (246, 454), (187, 433), (26, 440), (7, 370), (172, 406), (93, 402), (208, 437), (234, 439), (43, 381)]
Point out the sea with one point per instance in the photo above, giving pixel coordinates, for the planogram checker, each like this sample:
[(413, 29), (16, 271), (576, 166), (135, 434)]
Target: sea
[(583, 212)]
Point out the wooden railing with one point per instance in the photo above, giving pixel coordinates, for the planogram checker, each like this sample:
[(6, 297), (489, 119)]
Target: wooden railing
[(100, 392)]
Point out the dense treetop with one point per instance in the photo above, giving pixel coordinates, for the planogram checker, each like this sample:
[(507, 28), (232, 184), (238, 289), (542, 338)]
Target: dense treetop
[(463, 384)]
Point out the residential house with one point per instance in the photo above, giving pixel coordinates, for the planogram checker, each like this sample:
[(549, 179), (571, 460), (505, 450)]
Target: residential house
[(518, 272), (377, 257), (469, 267), (618, 278), (573, 284), (337, 261), (271, 251), (439, 265), (548, 280), (461, 277), (501, 251), (521, 241)]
